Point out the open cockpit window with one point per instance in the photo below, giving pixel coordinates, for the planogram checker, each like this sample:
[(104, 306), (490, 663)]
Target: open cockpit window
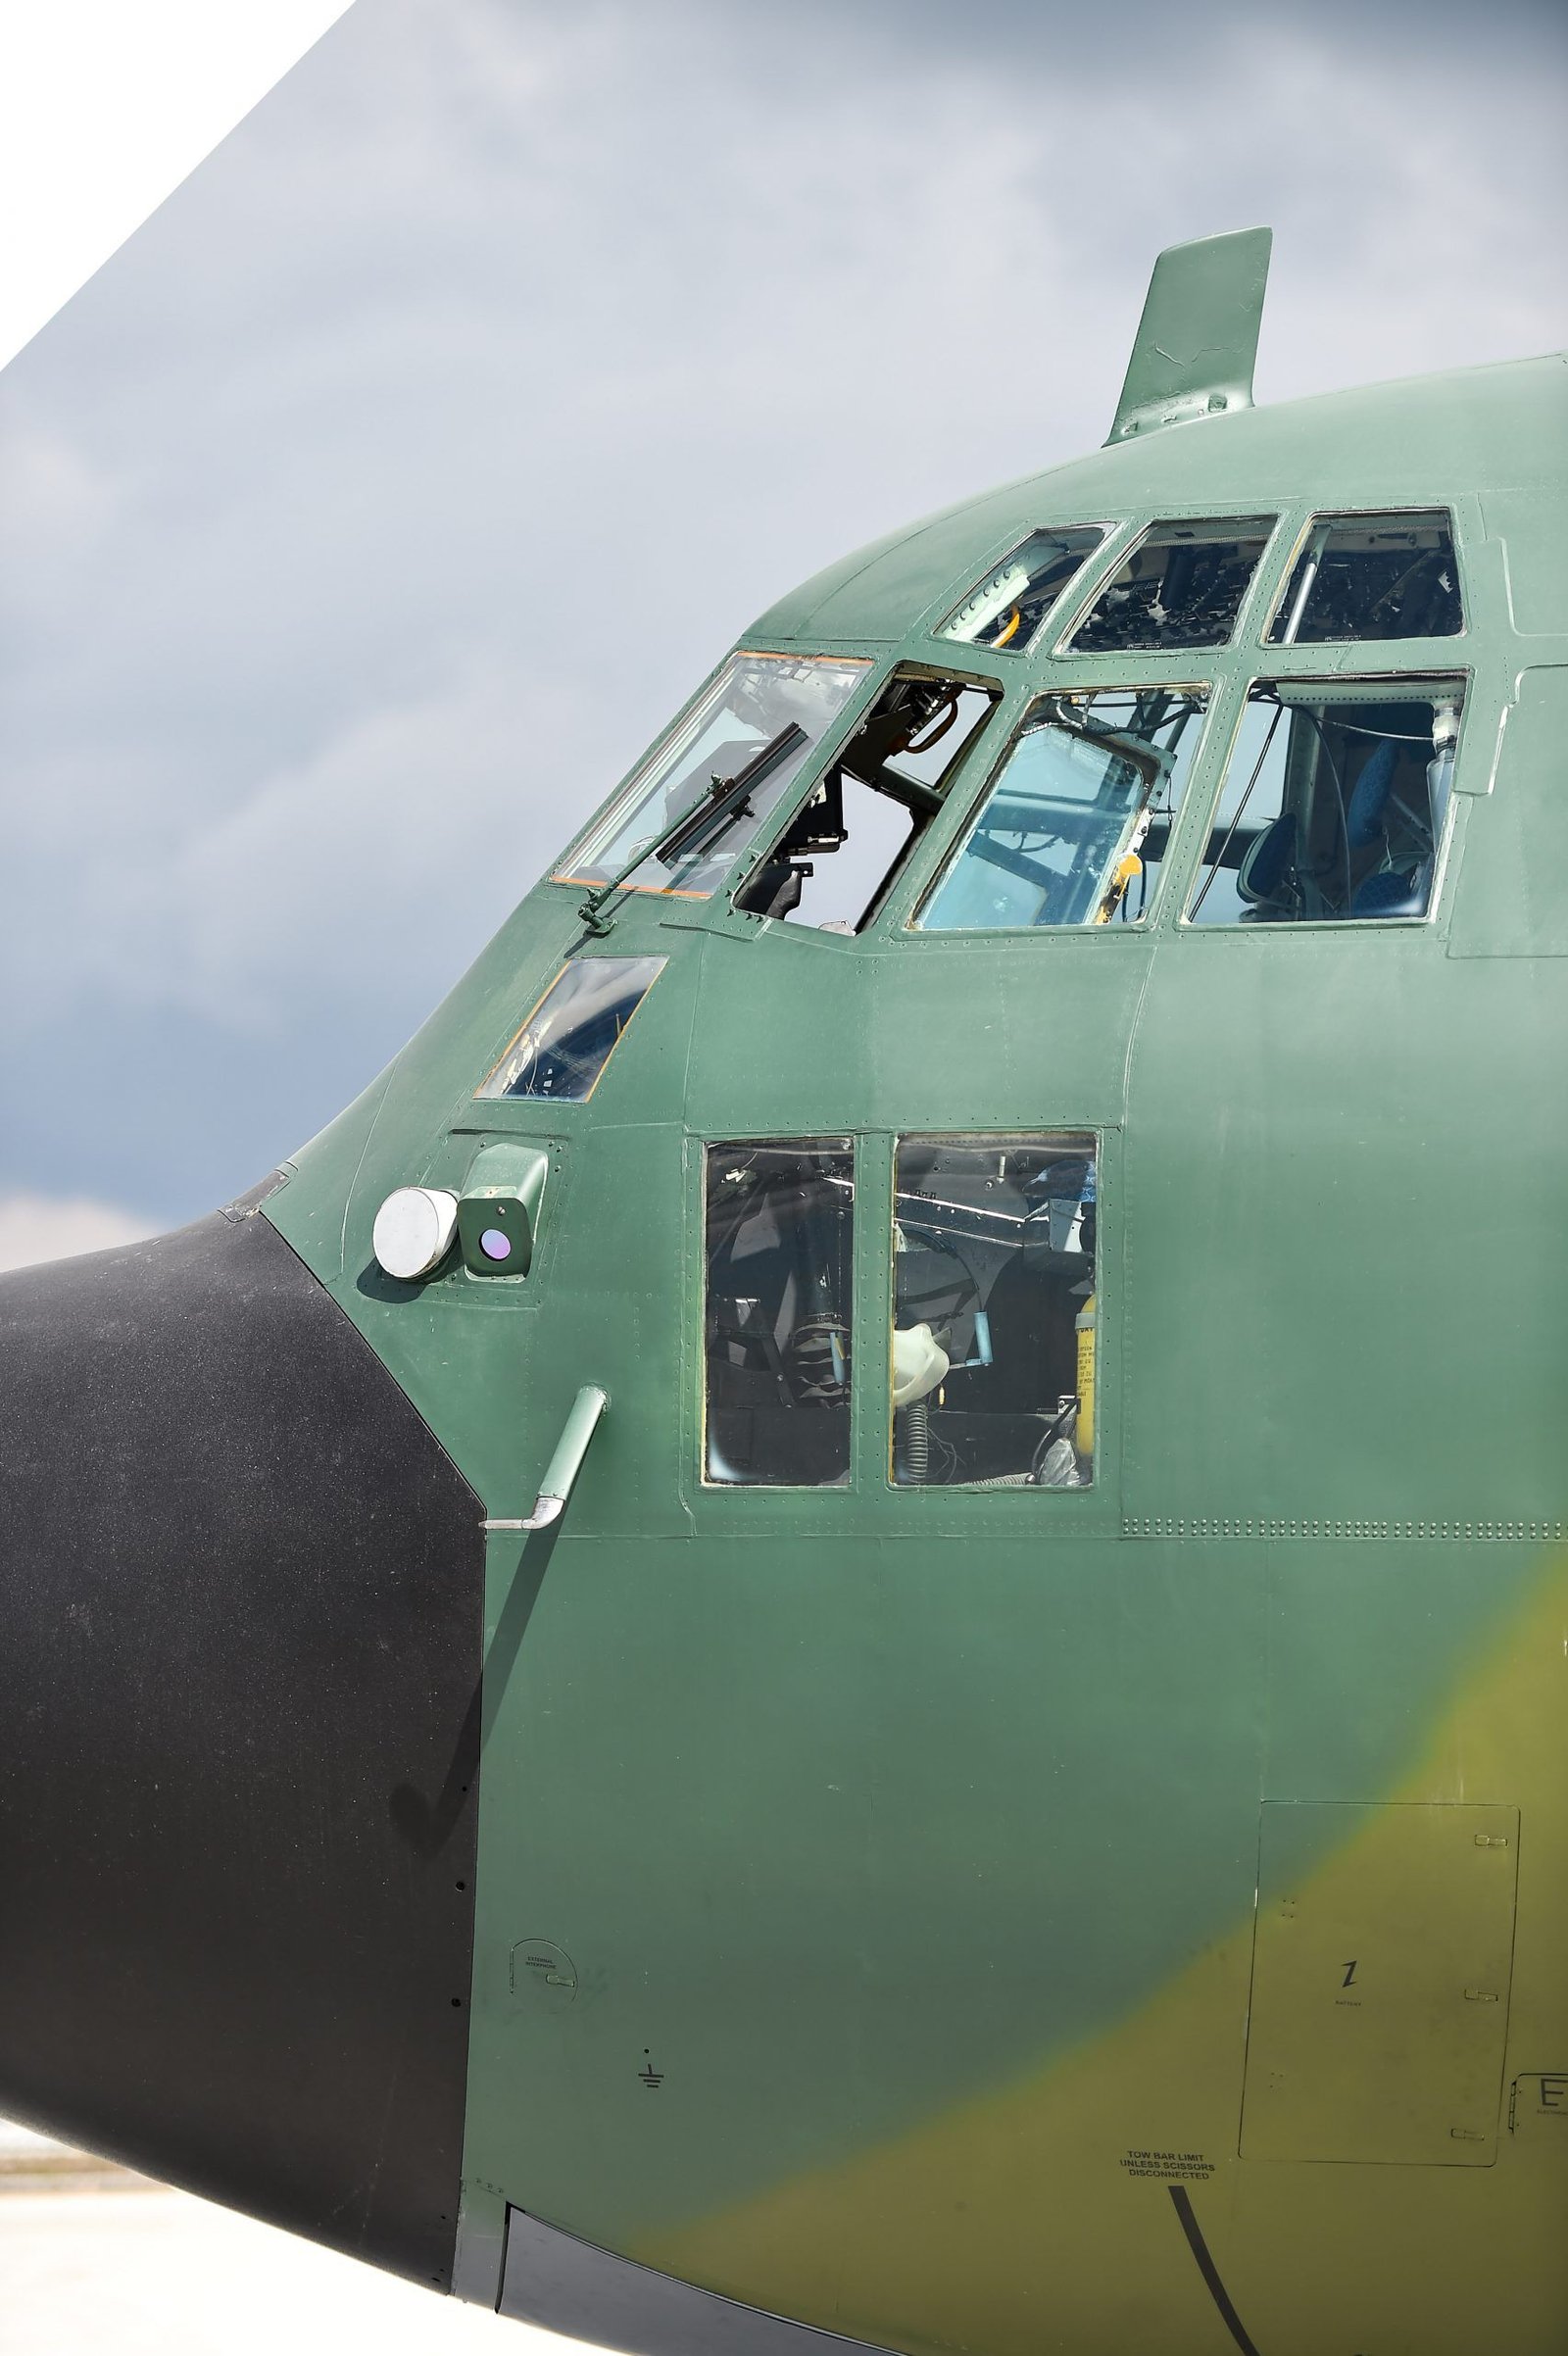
[(708, 789), (1075, 825), (1372, 577), (1008, 608), (1179, 585), (573, 1031), (835, 864), (1333, 805), (992, 1348), (779, 1240)]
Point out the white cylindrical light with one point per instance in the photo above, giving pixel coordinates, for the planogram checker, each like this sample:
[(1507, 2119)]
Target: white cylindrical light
[(413, 1229)]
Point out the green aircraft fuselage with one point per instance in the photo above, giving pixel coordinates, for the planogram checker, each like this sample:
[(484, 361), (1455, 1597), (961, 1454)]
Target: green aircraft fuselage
[(918, 1896)]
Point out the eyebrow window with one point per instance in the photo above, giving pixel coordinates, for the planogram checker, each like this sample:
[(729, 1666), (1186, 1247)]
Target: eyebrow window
[(835, 864), (761, 720), (1075, 825), (1181, 585), (1006, 611), (573, 1031), (1333, 805), (1372, 577), (778, 1244), (994, 1312)]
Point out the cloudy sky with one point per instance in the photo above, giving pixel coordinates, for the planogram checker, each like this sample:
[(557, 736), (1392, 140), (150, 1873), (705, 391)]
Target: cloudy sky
[(362, 518)]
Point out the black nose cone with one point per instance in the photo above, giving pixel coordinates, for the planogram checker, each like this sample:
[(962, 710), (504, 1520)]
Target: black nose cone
[(240, 1620)]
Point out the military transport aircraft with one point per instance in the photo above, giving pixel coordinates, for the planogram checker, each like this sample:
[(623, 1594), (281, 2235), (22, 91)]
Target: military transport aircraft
[(848, 1628)]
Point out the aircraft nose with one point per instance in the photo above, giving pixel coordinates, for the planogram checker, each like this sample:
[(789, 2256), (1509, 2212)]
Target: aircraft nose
[(240, 1622)]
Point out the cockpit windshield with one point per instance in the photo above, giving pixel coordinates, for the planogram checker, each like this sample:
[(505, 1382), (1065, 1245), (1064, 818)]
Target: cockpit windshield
[(1179, 585), (765, 715), (1334, 804), (1006, 610), (1372, 577), (1076, 822)]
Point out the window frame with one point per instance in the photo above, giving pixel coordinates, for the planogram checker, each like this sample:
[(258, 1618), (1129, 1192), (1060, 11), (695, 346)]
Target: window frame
[(869, 1504), (944, 610), (1126, 542), (945, 839), (1069, 1141), (587, 956), (950, 785), (1309, 522), (813, 1141), (608, 817), (1326, 684)]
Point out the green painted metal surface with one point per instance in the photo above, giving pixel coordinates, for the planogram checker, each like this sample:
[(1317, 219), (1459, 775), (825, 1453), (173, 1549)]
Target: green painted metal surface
[(1197, 338), (903, 1843)]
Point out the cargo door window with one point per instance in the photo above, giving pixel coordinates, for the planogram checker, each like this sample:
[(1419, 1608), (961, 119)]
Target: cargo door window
[(1181, 585), (1372, 577), (778, 1239), (1075, 825), (835, 864), (757, 727), (994, 1305), (1333, 804)]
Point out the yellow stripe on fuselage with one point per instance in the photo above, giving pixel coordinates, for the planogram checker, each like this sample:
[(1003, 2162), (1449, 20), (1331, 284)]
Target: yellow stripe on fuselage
[(1019, 2225)]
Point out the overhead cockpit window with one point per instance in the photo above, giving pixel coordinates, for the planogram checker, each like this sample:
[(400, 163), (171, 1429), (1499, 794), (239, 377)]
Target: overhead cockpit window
[(779, 1247), (1006, 611), (834, 866), (574, 1030), (1181, 585), (994, 1312), (1334, 804), (1372, 577), (1076, 823), (701, 796)]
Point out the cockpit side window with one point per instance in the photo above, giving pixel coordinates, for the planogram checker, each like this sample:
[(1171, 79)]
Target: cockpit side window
[(1372, 577), (1075, 825), (1333, 805), (723, 771), (836, 861), (994, 1312), (1179, 585), (1006, 611), (779, 1248)]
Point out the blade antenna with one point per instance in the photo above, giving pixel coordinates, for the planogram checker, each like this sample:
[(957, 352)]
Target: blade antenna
[(1197, 341)]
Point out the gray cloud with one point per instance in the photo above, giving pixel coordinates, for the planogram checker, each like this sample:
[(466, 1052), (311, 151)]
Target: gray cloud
[(369, 512)]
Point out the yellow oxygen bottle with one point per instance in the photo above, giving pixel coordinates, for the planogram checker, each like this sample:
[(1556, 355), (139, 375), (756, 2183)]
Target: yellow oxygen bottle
[(1084, 1322)]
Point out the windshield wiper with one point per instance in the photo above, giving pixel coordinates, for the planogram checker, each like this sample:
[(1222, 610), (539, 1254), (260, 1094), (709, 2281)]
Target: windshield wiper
[(695, 830), (727, 799)]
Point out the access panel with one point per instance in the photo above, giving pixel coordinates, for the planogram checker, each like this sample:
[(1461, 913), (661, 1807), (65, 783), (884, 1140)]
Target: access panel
[(1380, 1983)]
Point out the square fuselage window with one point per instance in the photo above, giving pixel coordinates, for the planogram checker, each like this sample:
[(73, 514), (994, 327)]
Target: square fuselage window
[(778, 1297), (994, 1312)]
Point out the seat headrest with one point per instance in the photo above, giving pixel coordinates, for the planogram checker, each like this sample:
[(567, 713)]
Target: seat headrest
[(1369, 796), (1270, 862)]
